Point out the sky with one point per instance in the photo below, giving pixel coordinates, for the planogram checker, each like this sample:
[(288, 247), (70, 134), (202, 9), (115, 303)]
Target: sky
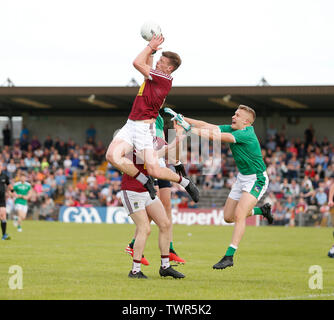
[(221, 43)]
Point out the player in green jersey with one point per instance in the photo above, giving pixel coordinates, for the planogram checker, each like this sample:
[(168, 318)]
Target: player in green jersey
[(22, 190), (252, 180)]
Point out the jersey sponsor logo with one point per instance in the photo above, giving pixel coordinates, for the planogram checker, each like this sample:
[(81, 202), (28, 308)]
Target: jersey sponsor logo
[(257, 188), (141, 89)]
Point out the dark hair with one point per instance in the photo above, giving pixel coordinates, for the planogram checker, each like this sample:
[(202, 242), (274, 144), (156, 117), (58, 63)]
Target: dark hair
[(174, 59)]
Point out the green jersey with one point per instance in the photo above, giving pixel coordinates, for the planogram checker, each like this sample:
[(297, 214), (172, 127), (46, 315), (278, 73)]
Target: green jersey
[(246, 150), (22, 189), (159, 127)]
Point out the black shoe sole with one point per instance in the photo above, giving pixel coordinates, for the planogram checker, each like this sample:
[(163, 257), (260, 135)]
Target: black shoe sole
[(221, 268)]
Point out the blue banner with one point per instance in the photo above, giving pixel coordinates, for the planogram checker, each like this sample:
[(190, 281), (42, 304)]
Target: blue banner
[(116, 215)]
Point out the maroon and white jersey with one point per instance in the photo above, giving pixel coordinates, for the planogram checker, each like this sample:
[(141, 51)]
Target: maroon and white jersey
[(151, 96), (131, 184)]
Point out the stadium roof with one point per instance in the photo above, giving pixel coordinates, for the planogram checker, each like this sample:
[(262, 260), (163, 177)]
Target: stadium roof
[(216, 101)]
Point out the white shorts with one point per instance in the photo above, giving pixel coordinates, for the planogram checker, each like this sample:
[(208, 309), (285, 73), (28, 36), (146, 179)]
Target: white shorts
[(136, 201), (138, 133), (253, 184), (21, 207)]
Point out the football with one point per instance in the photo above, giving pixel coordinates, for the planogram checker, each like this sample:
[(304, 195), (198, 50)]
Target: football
[(148, 29)]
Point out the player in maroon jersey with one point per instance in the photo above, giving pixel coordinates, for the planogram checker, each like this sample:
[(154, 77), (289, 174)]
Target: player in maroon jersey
[(141, 208), (139, 131)]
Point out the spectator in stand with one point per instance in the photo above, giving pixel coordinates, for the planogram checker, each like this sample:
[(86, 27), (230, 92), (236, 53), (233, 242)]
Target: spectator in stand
[(39, 153), (29, 162), (70, 193), (48, 143), (100, 177), (231, 180), (307, 190), (175, 200), (113, 201), (308, 134), (75, 165), (99, 151), (207, 182), (24, 142), (62, 148), (316, 181), (218, 181), (82, 184), (192, 204), (271, 144), (320, 172), (11, 169), (295, 189), (36, 164), (67, 165), (47, 209), (279, 214), (91, 133), (16, 153), (275, 186), (183, 204), (35, 143), (60, 179), (285, 188), (330, 171), (23, 166), (293, 167), (6, 133), (44, 164), (93, 192), (321, 196), (82, 199), (309, 171), (91, 180)]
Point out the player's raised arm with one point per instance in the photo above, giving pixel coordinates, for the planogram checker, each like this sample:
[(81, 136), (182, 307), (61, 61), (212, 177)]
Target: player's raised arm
[(213, 133), (200, 124), (142, 61)]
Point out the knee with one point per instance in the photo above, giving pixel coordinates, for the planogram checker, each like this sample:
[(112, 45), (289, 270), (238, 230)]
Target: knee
[(152, 171), (229, 219), (164, 225)]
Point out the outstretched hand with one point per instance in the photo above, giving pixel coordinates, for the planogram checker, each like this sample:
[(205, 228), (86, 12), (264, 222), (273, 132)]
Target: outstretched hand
[(156, 41)]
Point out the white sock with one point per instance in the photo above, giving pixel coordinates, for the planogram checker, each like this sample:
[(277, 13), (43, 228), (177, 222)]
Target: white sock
[(141, 178), (165, 262), (184, 182), (136, 266)]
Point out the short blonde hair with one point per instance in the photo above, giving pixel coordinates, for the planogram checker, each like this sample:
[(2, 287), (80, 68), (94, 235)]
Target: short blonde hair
[(249, 110)]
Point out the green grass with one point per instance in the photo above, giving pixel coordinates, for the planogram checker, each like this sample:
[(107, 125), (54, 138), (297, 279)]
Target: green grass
[(87, 261)]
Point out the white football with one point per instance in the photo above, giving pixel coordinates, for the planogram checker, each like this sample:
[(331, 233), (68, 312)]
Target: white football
[(148, 29)]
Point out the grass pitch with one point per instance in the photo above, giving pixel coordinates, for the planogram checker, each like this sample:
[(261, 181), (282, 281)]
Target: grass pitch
[(87, 261)]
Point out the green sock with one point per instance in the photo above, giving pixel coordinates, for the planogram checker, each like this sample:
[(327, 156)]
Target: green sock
[(230, 251), (132, 243), (171, 246), (257, 211)]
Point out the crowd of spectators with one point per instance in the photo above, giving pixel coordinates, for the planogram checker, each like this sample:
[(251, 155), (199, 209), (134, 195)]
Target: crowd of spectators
[(301, 171)]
